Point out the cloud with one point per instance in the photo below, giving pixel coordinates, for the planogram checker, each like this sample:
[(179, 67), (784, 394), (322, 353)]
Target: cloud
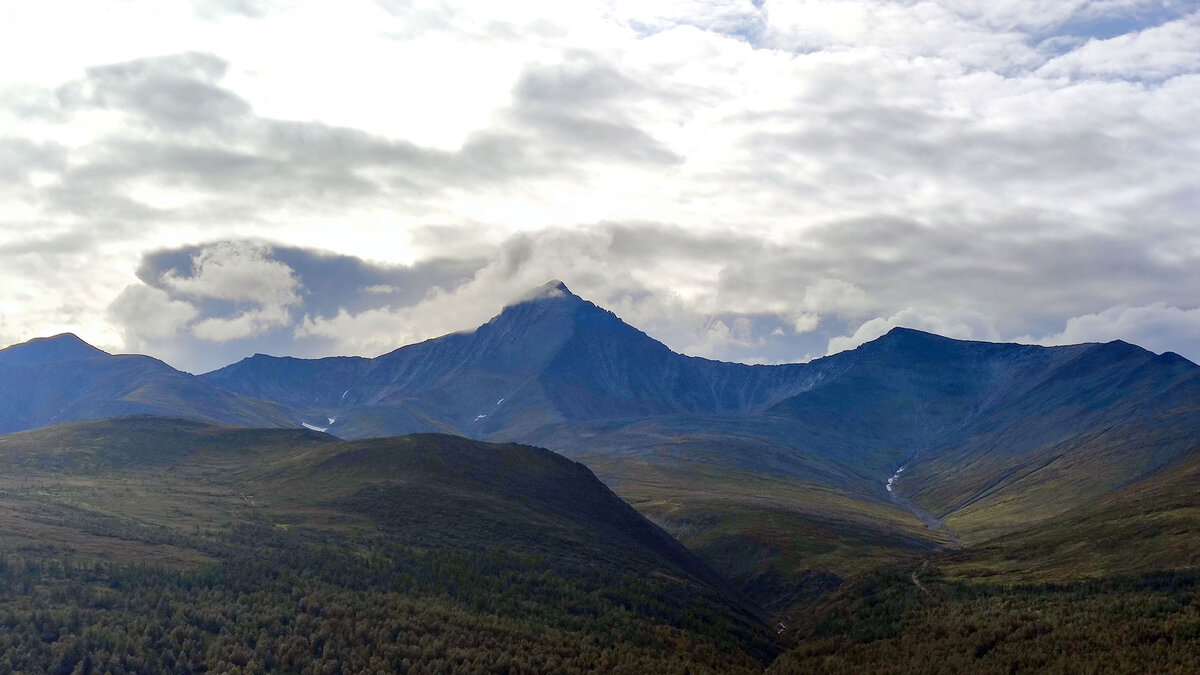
[(1157, 53), (966, 326), (748, 179), (718, 337), (238, 271), (146, 313), (177, 92), (1159, 327), (805, 322), (204, 306), (262, 290)]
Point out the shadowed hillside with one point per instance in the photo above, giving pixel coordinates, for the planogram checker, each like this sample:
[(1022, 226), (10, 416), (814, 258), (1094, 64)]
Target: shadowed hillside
[(63, 379), (153, 545)]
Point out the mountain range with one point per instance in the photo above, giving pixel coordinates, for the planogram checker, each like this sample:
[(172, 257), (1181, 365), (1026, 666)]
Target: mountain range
[(986, 507), (784, 478)]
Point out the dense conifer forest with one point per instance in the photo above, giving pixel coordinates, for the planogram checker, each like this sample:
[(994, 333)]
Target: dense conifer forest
[(447, 562)]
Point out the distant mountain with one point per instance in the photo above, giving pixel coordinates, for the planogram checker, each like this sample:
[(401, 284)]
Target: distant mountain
[(62, 378), (558, 370), (550, 357), (63, 347), (989, 438), (923, 456)]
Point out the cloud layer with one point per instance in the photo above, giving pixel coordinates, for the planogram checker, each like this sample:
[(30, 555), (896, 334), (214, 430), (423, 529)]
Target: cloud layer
[(761, 181)]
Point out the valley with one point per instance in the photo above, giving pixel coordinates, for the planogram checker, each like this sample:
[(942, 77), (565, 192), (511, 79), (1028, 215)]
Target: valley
[(970, 504)]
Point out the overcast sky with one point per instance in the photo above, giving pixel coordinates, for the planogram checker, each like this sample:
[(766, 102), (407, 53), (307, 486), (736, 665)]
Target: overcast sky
[(757, 181)]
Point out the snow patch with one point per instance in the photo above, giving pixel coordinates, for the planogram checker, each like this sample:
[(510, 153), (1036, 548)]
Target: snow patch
[(479, 417), (312, 427)]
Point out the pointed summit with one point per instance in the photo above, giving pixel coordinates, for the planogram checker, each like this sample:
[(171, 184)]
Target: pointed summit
[(63, 347), (551, 290), (558, 285)]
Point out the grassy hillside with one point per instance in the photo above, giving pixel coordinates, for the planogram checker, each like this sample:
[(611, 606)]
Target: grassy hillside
[(1114, 415), (148, 545), (778, 539), (1111, 586), (1150, 525)]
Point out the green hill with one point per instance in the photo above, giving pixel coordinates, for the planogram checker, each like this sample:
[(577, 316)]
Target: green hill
[(152, 545)]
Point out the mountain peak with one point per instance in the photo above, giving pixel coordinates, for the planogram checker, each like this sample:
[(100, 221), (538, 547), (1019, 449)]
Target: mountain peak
[(556, 284), (62, 347), (551, 290), (903, 335)]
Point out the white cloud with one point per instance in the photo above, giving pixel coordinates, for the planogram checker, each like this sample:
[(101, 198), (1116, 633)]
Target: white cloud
[(238, 271), (717, 337), (805, 322), (962, 326), (904, 30), (380, 289), (148, 313), (1156, 53), (242, 325), (1158, 327)]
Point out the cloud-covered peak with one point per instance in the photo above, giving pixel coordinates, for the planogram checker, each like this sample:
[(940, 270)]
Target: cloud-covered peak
[(551, 290)]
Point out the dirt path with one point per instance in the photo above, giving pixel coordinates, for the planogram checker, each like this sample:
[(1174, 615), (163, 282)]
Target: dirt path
[(917, 582)]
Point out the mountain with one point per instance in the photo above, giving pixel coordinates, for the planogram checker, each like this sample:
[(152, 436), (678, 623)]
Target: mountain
[(778, 476), (916, 500), (62, 378), (550, 357), (735, 460), (296, 551), (63, 347)]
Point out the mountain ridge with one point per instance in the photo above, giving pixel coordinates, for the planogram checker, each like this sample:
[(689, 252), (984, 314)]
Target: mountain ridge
[(62, 379), (991, 437)]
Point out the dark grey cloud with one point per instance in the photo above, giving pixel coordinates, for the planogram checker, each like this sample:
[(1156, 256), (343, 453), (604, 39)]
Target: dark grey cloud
[(577, 109), (1023, 280), (202, 136), (161, 314), (21, 156), (173, 92), (330, 280), (187, 132)]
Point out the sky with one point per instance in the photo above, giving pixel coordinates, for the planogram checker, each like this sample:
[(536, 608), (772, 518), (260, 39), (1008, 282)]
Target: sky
[(755, 181)]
